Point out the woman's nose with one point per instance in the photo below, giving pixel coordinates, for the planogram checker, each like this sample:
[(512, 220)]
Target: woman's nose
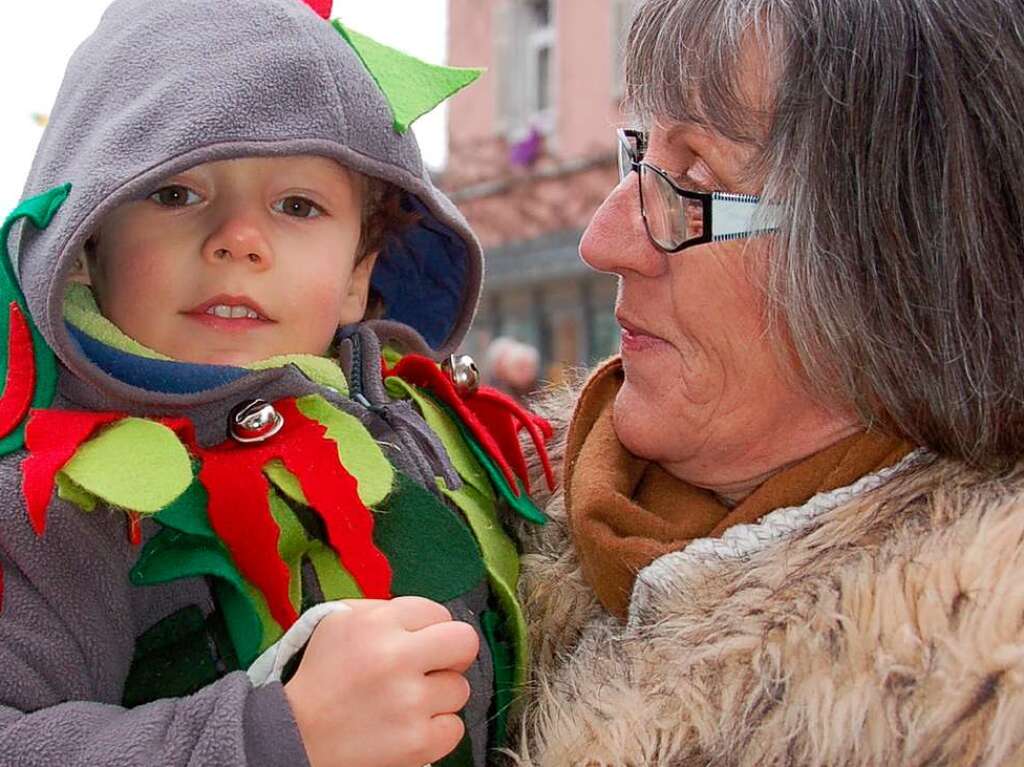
[(238, 237), (616, 240)]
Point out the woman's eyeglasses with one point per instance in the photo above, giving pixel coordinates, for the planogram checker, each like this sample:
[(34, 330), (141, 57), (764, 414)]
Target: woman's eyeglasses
[(677, 218)]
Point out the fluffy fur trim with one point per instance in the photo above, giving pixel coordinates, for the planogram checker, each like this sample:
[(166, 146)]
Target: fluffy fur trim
[(890, 631)]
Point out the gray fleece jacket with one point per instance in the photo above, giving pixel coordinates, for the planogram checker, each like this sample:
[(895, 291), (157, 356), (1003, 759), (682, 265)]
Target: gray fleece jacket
[(161, 86)]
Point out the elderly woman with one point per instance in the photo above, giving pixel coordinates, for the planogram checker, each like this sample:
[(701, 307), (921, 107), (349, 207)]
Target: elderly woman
[(791, 530)]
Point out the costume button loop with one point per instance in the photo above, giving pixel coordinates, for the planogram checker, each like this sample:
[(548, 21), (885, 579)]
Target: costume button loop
[(254, 420), (464, 374)]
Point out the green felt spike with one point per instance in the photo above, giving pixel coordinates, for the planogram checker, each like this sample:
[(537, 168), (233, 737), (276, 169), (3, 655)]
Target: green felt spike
[(291, 544), (502, 564), (135, 464), (412, 87), (40, 211), (188, 511), (335, 580), (359, 453), (431, 552)]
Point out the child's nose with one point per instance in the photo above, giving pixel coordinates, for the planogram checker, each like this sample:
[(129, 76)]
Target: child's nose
[(240, 239)]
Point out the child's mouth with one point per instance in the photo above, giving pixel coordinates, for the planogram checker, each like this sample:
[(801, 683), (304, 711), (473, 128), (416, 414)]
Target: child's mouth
[(227, 312)]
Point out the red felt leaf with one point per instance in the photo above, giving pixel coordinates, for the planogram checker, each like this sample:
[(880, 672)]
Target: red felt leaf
[(21, 372), (322, 7), (51, 438)]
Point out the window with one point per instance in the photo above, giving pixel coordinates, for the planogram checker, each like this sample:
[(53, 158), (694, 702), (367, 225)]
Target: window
[(525, 46)]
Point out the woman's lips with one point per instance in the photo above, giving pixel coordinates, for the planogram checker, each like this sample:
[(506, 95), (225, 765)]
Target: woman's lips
[(637, 341)]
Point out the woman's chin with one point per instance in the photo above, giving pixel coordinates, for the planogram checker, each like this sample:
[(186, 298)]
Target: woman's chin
[(641, 425)]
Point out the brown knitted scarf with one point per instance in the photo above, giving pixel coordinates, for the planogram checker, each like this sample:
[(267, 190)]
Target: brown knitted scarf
[(625, 512)]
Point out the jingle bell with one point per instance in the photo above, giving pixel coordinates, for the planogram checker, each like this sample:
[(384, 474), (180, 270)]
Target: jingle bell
[(254, 421), (463, 372)]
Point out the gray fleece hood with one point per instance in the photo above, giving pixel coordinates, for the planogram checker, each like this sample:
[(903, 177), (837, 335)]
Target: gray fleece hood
[(164, 85)]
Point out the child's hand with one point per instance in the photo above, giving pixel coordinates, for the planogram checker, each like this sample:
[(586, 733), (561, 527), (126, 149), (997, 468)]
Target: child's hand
[(381, 685)]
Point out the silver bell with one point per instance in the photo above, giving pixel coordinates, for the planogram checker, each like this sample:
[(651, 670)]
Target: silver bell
[(254, 420), (463, 372)]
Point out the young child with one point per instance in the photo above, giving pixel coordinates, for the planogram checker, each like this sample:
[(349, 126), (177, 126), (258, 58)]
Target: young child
[(212, 463)]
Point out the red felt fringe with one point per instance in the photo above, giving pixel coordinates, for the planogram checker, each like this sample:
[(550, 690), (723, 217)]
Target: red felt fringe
[(335, 495), (493, 418), (21, 372), (239, 509)]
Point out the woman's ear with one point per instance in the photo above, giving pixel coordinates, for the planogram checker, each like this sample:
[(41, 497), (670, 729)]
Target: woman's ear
[(353, 305)]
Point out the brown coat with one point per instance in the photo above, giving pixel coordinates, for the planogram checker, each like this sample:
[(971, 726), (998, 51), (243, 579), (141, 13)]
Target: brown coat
[(888, 630)]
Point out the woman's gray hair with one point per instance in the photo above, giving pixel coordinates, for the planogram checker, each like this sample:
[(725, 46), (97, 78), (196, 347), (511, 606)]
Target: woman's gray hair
[(893, 141)]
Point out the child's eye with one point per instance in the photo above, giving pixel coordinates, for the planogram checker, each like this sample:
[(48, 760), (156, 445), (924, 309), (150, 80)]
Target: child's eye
[(175, 196), (299, 207)]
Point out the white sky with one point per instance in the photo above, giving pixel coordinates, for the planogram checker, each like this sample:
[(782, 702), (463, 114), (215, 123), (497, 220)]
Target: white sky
[(37, 38)]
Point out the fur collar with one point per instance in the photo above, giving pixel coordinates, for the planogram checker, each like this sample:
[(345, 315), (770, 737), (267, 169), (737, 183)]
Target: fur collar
[(888, 629)]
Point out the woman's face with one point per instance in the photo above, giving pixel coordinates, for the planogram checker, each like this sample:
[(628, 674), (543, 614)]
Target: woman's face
[(705, 394)]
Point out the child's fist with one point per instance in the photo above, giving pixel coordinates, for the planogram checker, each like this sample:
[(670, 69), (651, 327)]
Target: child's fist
[(382, 685)]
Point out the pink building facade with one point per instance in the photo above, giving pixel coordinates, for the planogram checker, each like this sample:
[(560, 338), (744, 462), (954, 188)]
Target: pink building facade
[(531, 155)]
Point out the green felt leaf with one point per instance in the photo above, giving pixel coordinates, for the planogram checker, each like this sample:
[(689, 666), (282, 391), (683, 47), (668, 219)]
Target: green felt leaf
[(72, 493), (501, 560), (135, 464), (187, 527), (187, 513), (172, 555), (442, 425), (359, 453), (412, 87), (39, 210), (432, 553)]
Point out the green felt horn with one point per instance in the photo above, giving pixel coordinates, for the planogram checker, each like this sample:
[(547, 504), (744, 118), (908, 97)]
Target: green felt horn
[(412, 87)]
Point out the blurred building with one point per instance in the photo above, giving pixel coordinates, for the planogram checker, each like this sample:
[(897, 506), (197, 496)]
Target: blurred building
[(531, 155)]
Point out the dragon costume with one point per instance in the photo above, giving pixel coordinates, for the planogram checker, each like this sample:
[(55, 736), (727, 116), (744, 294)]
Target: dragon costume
[(163, 523)]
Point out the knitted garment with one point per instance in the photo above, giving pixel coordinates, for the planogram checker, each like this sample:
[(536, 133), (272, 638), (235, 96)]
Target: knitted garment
[(625, 512)]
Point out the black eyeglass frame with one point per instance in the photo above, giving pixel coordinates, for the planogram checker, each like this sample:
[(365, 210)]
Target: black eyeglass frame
[(634, 152)]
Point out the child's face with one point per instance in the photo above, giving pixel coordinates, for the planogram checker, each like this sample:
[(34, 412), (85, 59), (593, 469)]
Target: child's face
[(269, 242)]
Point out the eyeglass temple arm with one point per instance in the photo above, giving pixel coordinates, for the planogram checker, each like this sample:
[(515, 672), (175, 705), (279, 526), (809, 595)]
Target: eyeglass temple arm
[(738, 215)]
